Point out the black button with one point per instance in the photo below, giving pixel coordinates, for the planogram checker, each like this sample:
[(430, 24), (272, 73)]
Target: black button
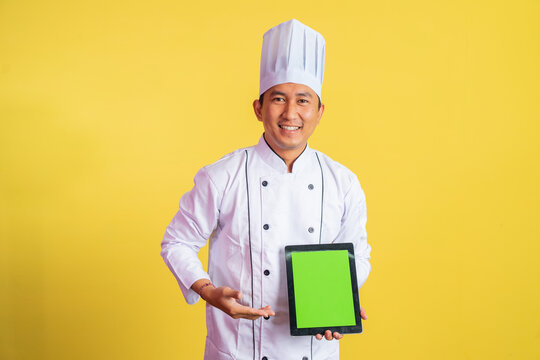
[(264, 183), (266, 317), (264, 358), (305, 358), (266, 272), (266, 226), (310, 229), (310, 187)]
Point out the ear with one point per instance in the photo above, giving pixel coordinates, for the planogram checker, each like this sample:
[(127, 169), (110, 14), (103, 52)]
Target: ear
[(321, 111), (257, 108)]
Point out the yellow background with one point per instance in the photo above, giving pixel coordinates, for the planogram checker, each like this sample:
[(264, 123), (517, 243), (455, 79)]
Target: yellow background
[(108, 108)]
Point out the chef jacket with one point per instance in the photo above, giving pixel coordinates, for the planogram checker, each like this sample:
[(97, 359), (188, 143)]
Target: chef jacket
[(251, 207)]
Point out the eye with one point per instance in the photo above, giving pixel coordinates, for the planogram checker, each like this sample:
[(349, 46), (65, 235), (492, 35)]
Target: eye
[(303, 101), (278, 99)]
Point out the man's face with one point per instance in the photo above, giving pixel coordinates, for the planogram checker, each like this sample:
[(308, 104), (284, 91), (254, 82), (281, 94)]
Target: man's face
[(289, 113)]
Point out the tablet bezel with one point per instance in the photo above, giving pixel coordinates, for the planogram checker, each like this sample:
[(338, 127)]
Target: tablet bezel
[(295, 331)]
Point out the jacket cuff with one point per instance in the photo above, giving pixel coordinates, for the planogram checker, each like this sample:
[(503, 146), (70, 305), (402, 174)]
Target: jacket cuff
[(191, 296)]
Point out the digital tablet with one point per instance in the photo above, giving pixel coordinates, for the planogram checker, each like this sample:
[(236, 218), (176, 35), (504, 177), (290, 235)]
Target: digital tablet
[(323, 290)]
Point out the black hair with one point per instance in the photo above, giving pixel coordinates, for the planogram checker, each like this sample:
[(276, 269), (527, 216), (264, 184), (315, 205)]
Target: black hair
[(262, 96)]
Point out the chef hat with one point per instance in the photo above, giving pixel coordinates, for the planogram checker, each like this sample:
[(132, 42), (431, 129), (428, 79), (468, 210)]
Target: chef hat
[(292, 52)]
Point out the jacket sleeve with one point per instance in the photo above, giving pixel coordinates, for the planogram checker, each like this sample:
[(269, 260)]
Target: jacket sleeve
[(353, 229), (188, 232)]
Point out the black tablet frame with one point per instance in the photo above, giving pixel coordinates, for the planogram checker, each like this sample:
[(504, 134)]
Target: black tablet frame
[(295, 331)]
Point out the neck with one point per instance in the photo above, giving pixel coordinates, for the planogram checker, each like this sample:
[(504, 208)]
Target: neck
[(288, 156)]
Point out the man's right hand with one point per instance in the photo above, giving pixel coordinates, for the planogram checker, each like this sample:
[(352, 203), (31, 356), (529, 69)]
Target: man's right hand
[(226, 299)]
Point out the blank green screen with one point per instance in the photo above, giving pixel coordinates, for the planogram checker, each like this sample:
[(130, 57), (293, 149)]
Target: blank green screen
[(322, 289)]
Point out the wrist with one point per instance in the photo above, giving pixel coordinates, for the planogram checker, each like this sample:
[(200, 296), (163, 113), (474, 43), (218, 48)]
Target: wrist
[(204, 289)]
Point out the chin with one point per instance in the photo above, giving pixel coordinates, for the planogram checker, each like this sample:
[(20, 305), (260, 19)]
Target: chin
[(289, 146)]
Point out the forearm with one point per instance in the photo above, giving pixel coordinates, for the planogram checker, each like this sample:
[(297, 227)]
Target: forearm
[(184, 264), (188, 232), (354, 230)]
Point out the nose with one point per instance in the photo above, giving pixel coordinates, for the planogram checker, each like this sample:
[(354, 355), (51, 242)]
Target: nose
[(290, 112)]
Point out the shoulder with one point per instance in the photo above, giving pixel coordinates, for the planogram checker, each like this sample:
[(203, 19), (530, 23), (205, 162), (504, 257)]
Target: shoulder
[(341, 177), (228, 166), (336, 169), (233, 159)]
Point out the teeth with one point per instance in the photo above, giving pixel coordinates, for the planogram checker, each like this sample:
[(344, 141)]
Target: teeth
[(290, 127)]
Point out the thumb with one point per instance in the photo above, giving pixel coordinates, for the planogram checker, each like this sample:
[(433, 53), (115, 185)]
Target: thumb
[(235, 294), (363, 314)]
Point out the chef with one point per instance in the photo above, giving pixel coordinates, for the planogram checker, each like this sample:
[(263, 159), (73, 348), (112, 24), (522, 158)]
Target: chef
[(254, 201)]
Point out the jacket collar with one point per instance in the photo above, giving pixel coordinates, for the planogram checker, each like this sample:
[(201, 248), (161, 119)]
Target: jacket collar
[(271, 158)]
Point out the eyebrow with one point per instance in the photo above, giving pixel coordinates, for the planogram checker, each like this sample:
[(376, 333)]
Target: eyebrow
[(306, 94), (275, 92)]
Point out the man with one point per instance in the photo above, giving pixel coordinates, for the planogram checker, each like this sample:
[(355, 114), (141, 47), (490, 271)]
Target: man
[(255, 201)]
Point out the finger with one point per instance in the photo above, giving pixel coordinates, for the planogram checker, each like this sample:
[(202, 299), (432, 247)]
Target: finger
[(337, 335), (363, 314), (248, 312), (328, 335), (246, 316), (268, 311), (235, 294), (318, 337), (250, 317)]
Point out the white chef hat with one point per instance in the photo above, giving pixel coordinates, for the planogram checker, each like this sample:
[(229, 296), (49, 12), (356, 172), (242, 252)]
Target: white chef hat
[(292, 52)]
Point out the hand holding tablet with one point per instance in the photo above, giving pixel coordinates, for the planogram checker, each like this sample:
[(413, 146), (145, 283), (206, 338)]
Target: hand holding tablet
[(323, 290)]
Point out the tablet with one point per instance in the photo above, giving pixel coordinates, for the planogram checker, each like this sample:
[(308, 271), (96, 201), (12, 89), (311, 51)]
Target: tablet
[(323, 290)]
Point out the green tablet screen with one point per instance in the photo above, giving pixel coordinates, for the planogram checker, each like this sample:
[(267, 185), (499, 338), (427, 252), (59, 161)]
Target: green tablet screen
[(322, 289)]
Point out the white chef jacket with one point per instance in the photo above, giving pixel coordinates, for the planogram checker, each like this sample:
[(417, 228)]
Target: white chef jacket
[(251, 207)]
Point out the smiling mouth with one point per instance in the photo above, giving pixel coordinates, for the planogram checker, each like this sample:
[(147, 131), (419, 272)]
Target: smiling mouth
[(284, 127)]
